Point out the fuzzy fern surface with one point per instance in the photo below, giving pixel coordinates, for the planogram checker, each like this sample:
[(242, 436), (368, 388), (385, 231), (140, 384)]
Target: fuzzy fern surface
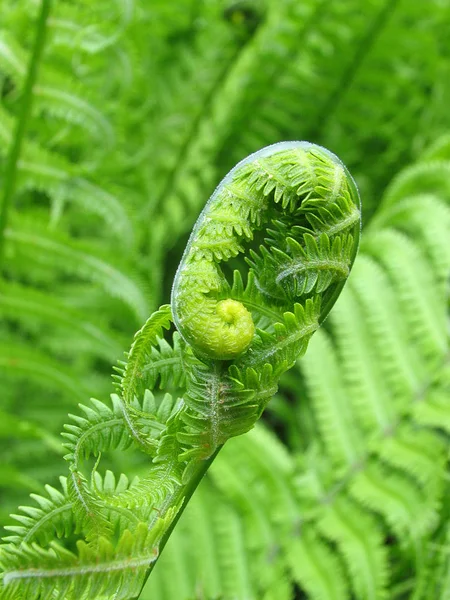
[(117, 120)]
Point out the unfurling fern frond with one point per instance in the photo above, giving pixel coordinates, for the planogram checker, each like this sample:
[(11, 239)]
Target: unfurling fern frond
[(359, 499), (350, 502), (235, 344), (287, 182)]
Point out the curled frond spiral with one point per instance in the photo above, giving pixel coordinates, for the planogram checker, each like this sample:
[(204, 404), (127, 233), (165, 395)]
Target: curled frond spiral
[(300, 203)]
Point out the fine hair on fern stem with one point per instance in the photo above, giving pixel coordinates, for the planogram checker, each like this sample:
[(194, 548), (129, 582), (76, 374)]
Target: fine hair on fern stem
[(292, 212)]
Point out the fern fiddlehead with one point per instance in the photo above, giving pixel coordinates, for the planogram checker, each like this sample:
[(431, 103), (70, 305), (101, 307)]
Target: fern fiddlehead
[(308, 198), (292, 211)]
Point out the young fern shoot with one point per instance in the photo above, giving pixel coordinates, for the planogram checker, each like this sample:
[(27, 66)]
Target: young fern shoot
[(292, 211)]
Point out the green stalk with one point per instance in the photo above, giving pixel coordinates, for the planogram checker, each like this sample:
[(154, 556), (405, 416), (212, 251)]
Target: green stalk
[(10, 173), (185, 492)]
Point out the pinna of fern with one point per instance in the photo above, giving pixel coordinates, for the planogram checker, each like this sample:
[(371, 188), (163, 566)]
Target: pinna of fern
[(236, 340)]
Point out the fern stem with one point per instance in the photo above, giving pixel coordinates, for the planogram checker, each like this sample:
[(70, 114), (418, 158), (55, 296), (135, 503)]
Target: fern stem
[(10, 174), (185, 492)]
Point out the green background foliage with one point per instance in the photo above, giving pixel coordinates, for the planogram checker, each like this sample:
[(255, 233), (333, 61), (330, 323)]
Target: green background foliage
[(138, 111)]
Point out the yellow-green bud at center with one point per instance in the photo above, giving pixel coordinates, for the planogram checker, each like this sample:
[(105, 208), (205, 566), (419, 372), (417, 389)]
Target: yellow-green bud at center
[(236, 331)]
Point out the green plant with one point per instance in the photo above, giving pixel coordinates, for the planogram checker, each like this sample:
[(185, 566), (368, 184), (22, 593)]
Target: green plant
[(296, 199), (137, 111), (353, 503)]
